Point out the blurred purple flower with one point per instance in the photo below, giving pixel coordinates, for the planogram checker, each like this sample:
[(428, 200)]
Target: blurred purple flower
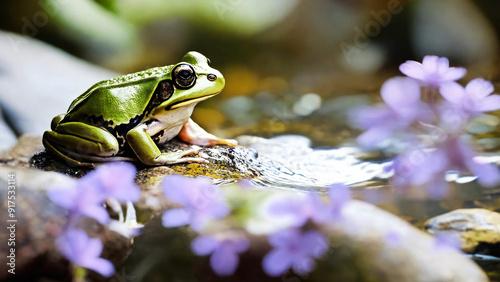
[(82, 198), (474, 98), (419, 167), (224, 259), (402, 96), (301, 210), (392, 238), (447, 240), (339, 195), (201, 199), (116, 180), (311, 207), (88, 194), (81, 250), (294, 249), (433, 71)]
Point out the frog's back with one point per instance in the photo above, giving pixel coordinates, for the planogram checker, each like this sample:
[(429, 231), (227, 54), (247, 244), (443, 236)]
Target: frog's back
[(119, 99)]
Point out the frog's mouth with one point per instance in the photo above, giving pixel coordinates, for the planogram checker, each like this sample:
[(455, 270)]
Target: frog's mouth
[(191, 101)]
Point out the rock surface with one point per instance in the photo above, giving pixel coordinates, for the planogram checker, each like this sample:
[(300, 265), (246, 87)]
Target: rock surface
[(30, 78), (369, 245), (472, 226)]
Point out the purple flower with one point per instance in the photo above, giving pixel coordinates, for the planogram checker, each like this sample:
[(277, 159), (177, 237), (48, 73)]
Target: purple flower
[(301, 210), (447, 240), (433, 71), (474, 98), (81, 250), (419, 167), (201, 200), (116, 180), (392, 238), (82, 198), (339, 195), (311, 207), (224, 259), (402, 96), (294, 249)]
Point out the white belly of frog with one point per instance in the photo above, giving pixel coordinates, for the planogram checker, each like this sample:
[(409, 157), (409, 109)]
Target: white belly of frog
[(167, 126)]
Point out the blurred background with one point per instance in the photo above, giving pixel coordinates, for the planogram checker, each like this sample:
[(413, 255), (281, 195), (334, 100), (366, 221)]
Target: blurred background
[(291, 66)]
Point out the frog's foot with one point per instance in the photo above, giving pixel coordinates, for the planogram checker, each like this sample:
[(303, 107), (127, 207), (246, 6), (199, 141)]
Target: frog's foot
[(192, 133), (148, 153), (179, 157)]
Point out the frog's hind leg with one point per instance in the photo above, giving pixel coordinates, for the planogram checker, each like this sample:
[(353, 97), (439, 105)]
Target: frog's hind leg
[(81, 140)]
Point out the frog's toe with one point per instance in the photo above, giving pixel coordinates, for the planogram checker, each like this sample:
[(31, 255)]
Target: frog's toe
[(194, 160), (187, 152), (230, 142)]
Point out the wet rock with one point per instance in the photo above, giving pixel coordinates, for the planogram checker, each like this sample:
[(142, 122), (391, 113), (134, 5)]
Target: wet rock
[(23, 151), (55, 79), (360, 248), (474, 227), (368, 245), (7, 136)]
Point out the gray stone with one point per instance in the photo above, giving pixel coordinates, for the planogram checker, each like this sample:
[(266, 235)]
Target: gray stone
[(7, 136), (453, 28), (38, 81)]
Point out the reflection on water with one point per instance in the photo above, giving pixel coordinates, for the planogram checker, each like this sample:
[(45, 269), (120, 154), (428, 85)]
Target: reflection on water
[(289, 162)]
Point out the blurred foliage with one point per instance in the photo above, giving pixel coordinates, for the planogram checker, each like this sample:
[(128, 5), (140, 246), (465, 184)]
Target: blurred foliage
[(275, 55)]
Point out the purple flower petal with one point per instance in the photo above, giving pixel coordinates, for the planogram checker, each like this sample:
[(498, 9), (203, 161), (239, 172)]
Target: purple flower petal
[(431, 63), (276, 262), (366, 117), (101, 266), (373, 136), (479, 88), (81, 250), (204, 245), (224, 260), (64, 197), (487, 174), (339, 195), (452, 92), (433, 71), (453, 74), (314, 243), (413, 69), (241, 245), (490, 103), (303, 265), (447, 240), (438, 187), (201, 199), (97, 212), (294, 248), (115, 180), (175, 189), (392, 238), (175, 218), (400, 92)]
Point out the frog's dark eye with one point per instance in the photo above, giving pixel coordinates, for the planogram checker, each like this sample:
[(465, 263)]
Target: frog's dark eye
[(184, 76)]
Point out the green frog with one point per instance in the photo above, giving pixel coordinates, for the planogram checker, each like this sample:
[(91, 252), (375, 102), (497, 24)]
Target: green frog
[(125, 118)]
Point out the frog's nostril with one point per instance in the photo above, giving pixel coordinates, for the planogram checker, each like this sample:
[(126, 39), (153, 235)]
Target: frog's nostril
[(211, 77)]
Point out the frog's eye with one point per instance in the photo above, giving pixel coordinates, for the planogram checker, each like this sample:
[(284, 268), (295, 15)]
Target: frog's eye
[(184, 76)]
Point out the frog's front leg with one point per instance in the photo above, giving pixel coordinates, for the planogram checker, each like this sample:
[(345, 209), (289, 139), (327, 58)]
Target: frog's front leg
[(192, 133), (148, 153)]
